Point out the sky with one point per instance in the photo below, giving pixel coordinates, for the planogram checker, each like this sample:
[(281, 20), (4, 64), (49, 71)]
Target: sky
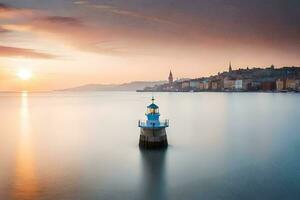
[(67, 43)]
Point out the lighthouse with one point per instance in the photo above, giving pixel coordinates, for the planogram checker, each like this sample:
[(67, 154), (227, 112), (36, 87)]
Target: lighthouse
[(153, 131)]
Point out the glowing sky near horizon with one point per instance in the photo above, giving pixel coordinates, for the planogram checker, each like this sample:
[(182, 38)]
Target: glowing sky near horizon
[(67, 43)]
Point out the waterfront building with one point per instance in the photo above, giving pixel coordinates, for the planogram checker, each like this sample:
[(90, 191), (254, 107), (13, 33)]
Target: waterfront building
[(280, 84), (268, 85), (255, 85), (238, 84), (185, 84), (170, 78), (195, 84), (201, 85), (247, 84), (206, 85), (153, 131), (291, 84), (229, 84), (216, 85)]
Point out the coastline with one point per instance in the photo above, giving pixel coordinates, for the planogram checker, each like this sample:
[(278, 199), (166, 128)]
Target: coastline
[(209, 91)]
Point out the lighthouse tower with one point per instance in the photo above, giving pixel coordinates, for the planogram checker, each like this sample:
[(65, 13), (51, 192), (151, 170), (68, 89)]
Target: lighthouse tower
[(153, 131)]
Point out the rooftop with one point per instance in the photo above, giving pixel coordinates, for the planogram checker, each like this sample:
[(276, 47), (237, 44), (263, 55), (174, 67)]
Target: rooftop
[(152, 106)]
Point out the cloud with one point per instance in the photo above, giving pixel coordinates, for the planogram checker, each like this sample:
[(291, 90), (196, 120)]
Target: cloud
[(73, 32), (4, 7), (8, 12), (125, 12), (3, 30), (81, 2), (69, 21), (6, 51), (15, 27), (102, 38), (68, 30)]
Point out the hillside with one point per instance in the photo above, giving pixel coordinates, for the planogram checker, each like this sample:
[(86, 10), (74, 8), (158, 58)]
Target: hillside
[(132, 86)]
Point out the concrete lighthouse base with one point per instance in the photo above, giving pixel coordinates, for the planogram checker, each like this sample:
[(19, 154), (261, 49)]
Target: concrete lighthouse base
[(153, 138)]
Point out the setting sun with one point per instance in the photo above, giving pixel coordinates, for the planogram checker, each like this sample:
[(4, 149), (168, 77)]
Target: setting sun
[(24, 74)]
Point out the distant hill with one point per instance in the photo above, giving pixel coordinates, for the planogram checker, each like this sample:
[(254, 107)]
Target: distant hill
[(132, 86)]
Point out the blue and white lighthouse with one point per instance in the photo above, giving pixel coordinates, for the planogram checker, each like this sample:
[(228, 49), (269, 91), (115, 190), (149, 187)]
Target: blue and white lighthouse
[(153, 131)]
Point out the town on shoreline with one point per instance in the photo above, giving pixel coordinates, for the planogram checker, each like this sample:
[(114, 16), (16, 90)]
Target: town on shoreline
[(271, 79)]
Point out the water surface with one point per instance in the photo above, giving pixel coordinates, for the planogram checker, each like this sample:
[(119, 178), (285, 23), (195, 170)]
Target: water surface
[(85, 146)]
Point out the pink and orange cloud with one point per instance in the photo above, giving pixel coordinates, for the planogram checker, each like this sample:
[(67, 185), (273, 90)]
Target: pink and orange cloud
[(23, 52)]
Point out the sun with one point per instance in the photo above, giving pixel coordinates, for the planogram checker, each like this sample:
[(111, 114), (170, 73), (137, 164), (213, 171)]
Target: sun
[(24, 74)]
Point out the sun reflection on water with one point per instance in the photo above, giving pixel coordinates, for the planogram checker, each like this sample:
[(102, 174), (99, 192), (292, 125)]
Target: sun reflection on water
[(25, 181)]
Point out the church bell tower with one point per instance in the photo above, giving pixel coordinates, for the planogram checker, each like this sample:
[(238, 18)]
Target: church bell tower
[(230, 68), (170, 78)]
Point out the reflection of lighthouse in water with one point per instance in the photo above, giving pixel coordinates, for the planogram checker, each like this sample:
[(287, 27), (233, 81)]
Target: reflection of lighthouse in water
[(153, 183), (153, 131)]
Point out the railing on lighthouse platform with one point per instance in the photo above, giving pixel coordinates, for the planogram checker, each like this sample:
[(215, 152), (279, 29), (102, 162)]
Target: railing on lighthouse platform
[(159, 124)]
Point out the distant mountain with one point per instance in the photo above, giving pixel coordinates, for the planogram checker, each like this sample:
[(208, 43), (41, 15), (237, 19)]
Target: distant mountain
[(132, 86)]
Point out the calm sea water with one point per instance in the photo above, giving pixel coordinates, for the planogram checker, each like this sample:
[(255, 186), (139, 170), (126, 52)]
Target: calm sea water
[(69, 146)]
